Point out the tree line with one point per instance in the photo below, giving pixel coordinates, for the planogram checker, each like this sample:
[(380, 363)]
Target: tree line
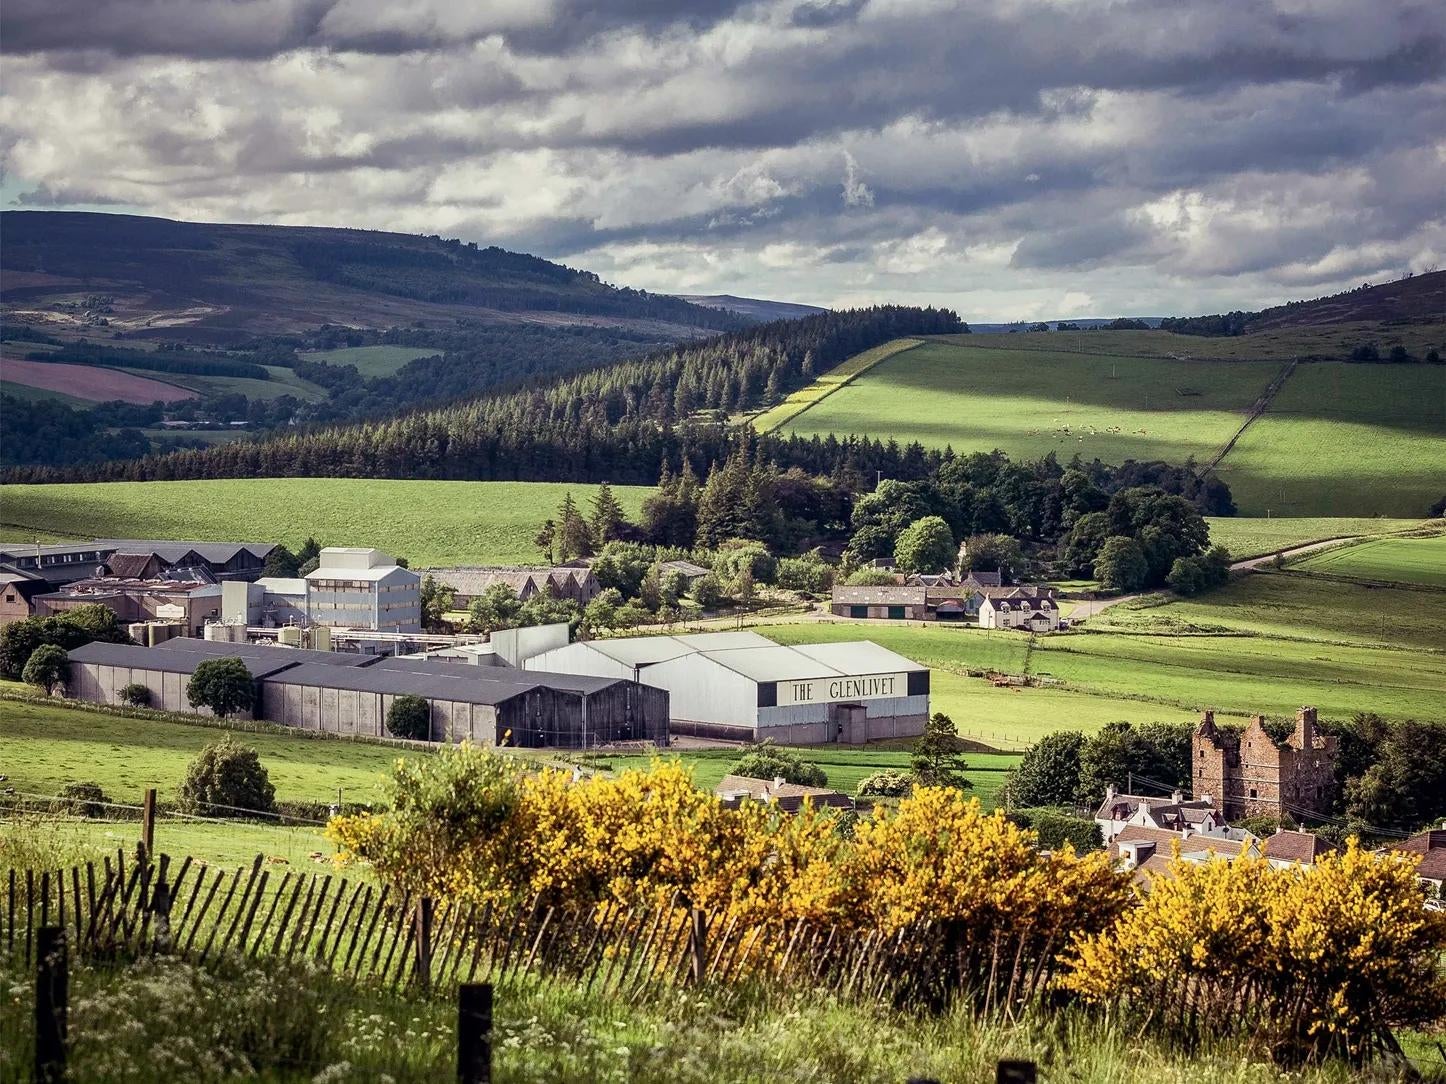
[(616, 423)]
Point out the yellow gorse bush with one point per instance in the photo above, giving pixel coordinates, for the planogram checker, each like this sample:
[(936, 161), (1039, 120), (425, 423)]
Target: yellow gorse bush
[(1319, 960)]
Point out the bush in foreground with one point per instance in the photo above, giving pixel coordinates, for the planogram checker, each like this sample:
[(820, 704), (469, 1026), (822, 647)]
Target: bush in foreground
[(227, 779), (81, 800), (886, 784)]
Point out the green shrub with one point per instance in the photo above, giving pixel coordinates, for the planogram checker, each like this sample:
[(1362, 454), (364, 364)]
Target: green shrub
[(410, 717), (223, 685), (1056, 827), (48, 668), (886, 784), (766, 761), (135, 694), (81, 800), (226, 779)]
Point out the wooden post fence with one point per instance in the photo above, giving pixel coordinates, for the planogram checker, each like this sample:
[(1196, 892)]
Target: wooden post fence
[(474, 1033), (148, 824), (423, 932), (698, 944), (52, 995)]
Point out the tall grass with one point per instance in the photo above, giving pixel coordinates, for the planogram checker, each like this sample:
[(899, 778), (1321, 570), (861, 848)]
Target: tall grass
[(275, 1020)]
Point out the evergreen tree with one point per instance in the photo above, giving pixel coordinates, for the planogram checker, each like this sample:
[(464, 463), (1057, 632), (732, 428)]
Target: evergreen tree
[(545, 538), (574, 536), (607, 516), (936, 760)]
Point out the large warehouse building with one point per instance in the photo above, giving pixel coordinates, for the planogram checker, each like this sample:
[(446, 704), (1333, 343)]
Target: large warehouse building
[(349, 693), (743, 686)]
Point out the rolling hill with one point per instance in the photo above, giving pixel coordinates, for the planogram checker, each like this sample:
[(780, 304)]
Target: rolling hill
[(72, 273), (753, 307)]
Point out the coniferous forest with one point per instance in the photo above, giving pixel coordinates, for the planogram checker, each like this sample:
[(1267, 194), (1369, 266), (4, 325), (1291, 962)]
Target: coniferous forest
[(618, 422)]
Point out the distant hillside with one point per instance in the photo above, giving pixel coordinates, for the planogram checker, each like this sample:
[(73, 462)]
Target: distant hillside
[(1419, 299), (753, 307), (72, 272)]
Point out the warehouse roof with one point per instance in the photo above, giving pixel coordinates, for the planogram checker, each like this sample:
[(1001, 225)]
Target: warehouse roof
[(282, 585), (858, 657), (192, 645), (777, 662), (429, 684), (172, 662), (472, 671), (168, 550)]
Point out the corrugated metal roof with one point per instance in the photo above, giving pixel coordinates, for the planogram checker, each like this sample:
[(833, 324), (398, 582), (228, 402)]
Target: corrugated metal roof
[(431, 685), (859, 657), (282, 585), (292, 655), (473, 672), (639, 650), (170, 662), (722, 641), (171, 549)]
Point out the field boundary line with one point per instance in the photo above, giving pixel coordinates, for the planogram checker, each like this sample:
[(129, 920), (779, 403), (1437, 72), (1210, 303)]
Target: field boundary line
[(1260, 406), (828, 387)]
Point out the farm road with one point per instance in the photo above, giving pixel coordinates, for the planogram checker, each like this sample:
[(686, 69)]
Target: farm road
[(1090, 609)]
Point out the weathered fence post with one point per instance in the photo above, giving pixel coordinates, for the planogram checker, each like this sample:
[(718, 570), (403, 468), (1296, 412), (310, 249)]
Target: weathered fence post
[(1015, 1072), (698, 944), (474, 1033), (423, 930), (52, 989), (161, 908), (148, 824)]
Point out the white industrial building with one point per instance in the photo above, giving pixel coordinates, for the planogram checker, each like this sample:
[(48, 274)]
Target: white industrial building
[(352, 588), (743, 686)]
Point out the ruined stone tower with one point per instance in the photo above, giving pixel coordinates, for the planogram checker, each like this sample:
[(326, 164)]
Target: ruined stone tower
[(1248, 773)]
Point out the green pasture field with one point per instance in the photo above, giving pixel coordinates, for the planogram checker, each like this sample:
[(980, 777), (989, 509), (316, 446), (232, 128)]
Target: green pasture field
[(1332, 341), (828, 383), (228, 845), (283, 381), (1242, 674), (1030, 404), (1294, 605), (37, 395), (371, 361), (43, 747), (210, 436), (430, 523), (845, 766), (1002, 717), (1345, 440), (1399, 560), (1254, 536)]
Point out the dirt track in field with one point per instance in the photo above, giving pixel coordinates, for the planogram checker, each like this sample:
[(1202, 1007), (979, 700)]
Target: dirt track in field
[(90, 382)]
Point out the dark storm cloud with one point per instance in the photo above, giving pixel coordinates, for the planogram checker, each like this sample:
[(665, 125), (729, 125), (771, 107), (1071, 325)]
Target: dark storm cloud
[(867, 146)]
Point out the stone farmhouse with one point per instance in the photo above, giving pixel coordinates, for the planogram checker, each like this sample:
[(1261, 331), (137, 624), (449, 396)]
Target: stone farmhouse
[(1173, 814), (1250, 774)]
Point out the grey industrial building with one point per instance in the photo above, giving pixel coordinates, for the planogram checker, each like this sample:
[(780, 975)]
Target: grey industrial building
[(349, 693), (743, 686)]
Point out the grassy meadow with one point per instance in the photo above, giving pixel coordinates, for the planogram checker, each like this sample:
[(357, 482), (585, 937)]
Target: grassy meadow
[(1255, 536), (1030, 404), (282, 381), (370, 361), (1396, 560), (429, 523), (828, 383), (1345, 440), (1339, 440)]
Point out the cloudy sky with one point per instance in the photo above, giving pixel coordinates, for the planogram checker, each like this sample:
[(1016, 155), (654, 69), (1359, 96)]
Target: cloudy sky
[(1008, 158)]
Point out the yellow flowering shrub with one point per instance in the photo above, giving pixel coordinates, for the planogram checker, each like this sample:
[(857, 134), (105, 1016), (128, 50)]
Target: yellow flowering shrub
[(1316, 961)]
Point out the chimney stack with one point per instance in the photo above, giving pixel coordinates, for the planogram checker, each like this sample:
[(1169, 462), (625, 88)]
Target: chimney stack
[(1305, 723)]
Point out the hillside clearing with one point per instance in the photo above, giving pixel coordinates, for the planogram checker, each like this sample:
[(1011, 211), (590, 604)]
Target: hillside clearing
[(1253, 536), (1345, 440), (828, 383), (371, 361), (429, 523), (1398, 560), (1030, 404)]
